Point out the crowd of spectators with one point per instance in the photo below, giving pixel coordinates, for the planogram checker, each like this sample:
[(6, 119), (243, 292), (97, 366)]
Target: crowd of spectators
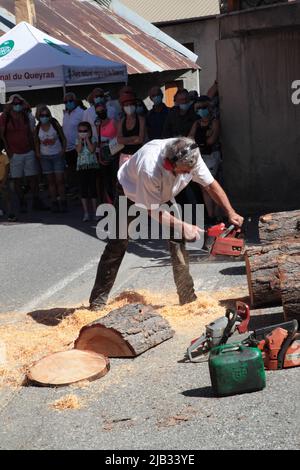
[(81, 155)]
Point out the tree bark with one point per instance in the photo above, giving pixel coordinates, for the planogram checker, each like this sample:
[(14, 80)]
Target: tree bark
[(279, 226), (289, 276), (125, 332), (262, 271)]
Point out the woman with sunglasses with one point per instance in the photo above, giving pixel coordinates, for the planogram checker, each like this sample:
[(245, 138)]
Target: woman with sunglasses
[(50, 144)]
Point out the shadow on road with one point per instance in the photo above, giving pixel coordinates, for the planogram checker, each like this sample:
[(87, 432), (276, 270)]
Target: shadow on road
[(52, 316), (204, 392), (234, 271)]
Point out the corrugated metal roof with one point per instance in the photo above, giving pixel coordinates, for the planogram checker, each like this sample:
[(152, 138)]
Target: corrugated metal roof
[(99, 31), (158, 11)]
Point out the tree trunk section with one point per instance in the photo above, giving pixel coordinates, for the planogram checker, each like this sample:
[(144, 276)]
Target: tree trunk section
[(125, 332), (262, 271), (279, 226), (289, 276)]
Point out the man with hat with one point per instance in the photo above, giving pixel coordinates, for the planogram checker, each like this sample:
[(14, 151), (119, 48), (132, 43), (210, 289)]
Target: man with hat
[(153, 176), (16, 133)]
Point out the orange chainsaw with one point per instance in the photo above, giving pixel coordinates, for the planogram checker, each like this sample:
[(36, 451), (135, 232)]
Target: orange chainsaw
[(280, 345)]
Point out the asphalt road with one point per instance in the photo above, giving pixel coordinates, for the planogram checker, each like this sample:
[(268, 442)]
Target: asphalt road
[(151, 402)]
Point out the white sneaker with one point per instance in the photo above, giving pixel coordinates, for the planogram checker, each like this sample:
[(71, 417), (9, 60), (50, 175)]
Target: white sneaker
[(86, 218)]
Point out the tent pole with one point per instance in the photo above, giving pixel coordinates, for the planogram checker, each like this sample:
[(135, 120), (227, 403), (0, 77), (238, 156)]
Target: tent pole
[(64, 89)]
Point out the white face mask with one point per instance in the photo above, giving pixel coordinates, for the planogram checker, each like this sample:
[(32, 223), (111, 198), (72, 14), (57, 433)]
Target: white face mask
[(82, 135), (130, 109)]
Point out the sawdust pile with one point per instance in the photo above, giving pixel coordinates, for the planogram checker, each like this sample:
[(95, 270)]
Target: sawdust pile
[(69, 402), (34, 337)]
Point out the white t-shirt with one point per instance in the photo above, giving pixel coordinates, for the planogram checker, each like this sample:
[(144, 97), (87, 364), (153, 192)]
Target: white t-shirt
[(50, 143), (146, 182), (70, 126)]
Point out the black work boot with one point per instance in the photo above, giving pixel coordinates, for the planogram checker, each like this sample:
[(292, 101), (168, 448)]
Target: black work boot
[(99, 305), (183, 300)]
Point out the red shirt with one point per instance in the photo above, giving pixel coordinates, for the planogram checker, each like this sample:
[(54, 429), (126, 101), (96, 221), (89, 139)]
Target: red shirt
[(18, 134)]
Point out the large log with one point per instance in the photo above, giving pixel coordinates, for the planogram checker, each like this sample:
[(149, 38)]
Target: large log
[(262, 271), (289, 276), (125, 332), (279, 226)]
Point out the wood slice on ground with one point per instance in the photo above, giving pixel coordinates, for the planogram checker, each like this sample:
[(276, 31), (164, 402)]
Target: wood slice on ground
[(262, 271), (66, 367), (289, 275), (278, 226), (125, 332)]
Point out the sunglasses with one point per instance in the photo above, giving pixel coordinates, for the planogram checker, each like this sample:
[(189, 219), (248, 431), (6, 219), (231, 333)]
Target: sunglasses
[(83, 130), (44, 115)]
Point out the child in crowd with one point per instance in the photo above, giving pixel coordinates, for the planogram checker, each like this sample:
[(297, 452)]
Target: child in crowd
[(87, 166), (5, 191)]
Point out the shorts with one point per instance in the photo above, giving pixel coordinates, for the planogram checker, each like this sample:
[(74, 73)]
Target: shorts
[(212, 162), (52, 164), (23, 164)]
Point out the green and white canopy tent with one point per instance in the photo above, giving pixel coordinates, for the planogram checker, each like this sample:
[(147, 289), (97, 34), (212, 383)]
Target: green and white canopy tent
[(31, 59)]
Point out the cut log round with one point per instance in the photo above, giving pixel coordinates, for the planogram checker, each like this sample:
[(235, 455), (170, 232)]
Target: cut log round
[(125, 332), (262, 271), (289, 275), (279, 226), (66, 367)]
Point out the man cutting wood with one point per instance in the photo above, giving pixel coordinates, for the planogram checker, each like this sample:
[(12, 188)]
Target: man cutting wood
[(153, 176)]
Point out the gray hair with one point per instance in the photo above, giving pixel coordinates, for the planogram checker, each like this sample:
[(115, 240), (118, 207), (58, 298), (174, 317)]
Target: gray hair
[(182, 151)]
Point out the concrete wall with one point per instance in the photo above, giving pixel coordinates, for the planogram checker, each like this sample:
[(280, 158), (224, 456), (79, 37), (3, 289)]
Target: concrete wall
[(258, 61), (203, 33)]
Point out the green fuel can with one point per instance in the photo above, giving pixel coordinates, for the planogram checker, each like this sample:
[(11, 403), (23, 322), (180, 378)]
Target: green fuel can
[(235, 368)]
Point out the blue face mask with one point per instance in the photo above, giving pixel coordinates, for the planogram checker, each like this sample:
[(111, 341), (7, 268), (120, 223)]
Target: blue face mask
[(157, 99), (17, 108), (99, 100), (70, 105), (44, 119), (185, 106), (203, 113)]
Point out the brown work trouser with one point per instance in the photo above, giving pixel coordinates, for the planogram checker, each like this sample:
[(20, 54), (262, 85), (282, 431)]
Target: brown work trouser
[(112, 257)]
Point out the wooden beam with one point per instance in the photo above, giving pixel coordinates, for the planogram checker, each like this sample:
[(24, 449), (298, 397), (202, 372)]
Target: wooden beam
[(25, 11)]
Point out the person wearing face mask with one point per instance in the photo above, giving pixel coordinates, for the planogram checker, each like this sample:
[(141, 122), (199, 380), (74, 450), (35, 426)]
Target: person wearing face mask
[(50, 144), (157, 116), (97, 97), (131, 129), (107, 133), (87, 166), (205, 132), (16, 133), (181, 117), (178, 124), (73, 115)]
